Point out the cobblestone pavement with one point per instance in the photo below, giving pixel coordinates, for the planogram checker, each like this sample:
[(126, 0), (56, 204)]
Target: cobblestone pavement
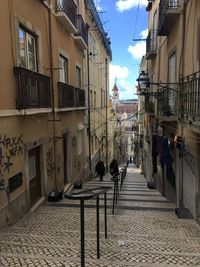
[(144, 232)]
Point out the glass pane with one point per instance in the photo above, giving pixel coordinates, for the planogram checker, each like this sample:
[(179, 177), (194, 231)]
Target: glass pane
[(63, 70), (31, 53), (31, 62), (30, 44), (78, 77), (32, 167), (22, 48)]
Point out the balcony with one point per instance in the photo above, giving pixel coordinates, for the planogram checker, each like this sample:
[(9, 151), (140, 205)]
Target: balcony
[(168, 105), (80, 97), (169, 11), (70, 97), (190, 97), (151, 44), (66, 13), (33, 89), (81, 36)]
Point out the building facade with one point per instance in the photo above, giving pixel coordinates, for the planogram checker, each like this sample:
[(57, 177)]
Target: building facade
[(43, 108), (172, 100)]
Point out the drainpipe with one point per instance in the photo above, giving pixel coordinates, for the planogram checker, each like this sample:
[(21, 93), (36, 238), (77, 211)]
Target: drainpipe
[(106, 69), (52, 88), (181, 74), (89, 123)]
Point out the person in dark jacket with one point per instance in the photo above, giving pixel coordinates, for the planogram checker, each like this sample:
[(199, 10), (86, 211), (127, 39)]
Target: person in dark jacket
[(100, 169), (114, 169)]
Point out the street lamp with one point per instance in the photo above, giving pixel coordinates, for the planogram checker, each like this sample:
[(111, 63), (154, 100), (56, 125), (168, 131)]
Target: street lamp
[(144, 85)]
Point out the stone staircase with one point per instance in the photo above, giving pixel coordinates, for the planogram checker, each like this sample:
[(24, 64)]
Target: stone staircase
[(144, 231)]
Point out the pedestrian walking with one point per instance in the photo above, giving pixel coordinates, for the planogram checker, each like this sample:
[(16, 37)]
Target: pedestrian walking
[(114, 169), (100, 169)]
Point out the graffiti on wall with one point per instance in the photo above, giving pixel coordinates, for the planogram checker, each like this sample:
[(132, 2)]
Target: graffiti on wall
[(11, 147), (50, 162)]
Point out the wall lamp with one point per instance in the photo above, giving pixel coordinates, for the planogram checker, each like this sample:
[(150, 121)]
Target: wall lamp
[(144, 86)]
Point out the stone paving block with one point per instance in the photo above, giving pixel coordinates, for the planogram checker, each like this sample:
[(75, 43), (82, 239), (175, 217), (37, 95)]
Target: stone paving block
[(50, 236)]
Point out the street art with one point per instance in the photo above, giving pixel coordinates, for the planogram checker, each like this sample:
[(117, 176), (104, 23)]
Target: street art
[(10, 148), (50, 162)]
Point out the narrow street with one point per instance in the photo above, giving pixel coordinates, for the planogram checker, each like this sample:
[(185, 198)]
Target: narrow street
[(143, 232)]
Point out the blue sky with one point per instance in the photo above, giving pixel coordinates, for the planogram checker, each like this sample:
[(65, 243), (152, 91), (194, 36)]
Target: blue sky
[(124, 20)]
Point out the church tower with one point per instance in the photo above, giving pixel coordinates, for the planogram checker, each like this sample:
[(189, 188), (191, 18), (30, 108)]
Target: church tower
[(115, 97)]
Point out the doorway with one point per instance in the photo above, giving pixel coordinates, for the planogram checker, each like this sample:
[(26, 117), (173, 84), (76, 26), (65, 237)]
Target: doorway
[(34, 175)]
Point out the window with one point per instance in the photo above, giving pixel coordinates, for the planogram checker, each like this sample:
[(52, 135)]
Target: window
[(63, 69), (78, 77), (154, 43), (27, 46)]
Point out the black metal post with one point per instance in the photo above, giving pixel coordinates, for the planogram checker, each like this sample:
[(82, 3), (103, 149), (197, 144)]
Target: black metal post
[(98, 243), (105, 214), (113, 208), (116, 190), (82, 235)]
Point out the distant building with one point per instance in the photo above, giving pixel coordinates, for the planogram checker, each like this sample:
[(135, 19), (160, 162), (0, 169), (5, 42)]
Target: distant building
[(115, 97), (128, 106)]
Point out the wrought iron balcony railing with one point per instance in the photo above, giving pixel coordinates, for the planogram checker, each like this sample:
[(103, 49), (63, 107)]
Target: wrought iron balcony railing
[(70, 97), (168, 11), (69, 8), (190, 97), (82, 28), (33, 89), (151, 44), (167, 103), (80, 97)]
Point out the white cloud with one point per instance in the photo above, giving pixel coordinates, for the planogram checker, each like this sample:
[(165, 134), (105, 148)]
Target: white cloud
[(121, 73), (122, 5), (144, 33), (139, 49), (118, 72), (97, 4)]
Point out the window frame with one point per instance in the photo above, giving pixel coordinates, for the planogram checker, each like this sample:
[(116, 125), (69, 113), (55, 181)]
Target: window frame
[(64, 72), (27, 52), (78, 77)]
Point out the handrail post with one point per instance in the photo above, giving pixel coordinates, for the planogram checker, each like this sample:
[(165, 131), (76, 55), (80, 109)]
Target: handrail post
[(82, 234), (98, 243), (113, 208), (105, 215)]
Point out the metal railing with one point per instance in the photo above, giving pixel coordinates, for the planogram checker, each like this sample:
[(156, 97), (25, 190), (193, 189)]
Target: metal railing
[(164, 7), (69, 8), (66, 95), (80, 97), (115, 179), (151, 42), (122, 176), (118, 177), (87, 194), (190, 96), (167, 103), (82, 29), (70, 97), (33, 89)]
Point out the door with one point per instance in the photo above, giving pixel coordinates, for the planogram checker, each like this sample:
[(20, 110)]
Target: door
[(65, 157), (34, 175)]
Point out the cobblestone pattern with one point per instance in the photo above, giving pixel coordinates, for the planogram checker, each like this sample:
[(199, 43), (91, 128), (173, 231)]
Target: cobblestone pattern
[(50, 237)]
